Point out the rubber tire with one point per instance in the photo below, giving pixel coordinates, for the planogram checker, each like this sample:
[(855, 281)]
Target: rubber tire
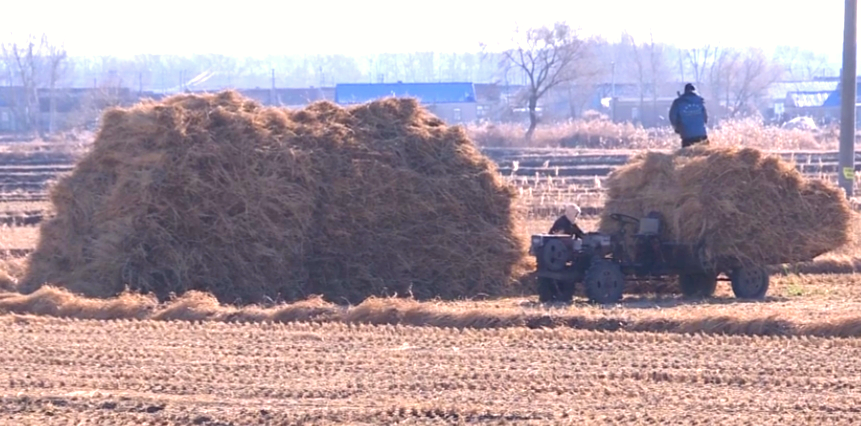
[(554, 291), (698, 285), (566, 291), (554, 248), (604, 282), (547, 292), (749, 282)]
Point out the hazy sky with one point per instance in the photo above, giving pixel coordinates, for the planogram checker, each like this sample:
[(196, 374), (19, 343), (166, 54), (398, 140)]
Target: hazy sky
[(252, 27)]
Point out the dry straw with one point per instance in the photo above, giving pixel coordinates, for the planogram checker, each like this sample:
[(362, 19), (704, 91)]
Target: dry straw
[(219, 194), (744, 206), (197, 306)]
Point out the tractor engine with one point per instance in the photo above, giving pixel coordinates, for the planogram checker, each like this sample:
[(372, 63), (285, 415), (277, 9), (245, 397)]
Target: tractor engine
[(649, 253)]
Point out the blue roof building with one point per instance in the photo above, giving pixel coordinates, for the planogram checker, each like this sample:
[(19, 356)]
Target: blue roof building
[(426, 93), (834, 99)]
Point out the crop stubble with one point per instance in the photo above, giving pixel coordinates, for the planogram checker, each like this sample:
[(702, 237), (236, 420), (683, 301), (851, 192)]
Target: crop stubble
[(62, 371), (123, 372)]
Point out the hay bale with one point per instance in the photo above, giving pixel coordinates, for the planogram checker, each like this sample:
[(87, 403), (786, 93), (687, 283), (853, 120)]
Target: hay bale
[(744, 206), (220, 194)]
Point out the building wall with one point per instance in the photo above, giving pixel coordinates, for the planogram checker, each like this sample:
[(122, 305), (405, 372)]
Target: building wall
[(7, 120), (649, 114), (456, 113)]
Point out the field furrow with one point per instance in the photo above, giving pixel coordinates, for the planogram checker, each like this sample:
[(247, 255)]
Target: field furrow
[(192, 373)]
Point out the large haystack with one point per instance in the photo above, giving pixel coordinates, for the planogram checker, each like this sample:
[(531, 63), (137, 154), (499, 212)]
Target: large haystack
[(217, 193), (742, 204)]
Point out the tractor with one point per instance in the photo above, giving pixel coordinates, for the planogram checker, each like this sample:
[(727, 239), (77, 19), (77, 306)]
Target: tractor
[(602, 263)]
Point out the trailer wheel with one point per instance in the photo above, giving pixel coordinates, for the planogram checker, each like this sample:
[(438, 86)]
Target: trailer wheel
[(749, 282), (604, 282), (698, 285)]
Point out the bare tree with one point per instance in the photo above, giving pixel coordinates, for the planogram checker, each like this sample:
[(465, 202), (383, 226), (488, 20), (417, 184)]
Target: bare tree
[(651, 69), (741, 78), (408, 62), (425, 63), (700, 61), (55, 56), (22, 63), (801, 64), (33, 64), (548, 57)]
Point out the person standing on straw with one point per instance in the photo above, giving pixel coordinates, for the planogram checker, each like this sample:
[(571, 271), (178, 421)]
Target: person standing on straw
[(689, 117)]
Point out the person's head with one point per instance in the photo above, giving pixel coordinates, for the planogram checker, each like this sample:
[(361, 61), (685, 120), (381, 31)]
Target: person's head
[(572, 212), (690, 88)]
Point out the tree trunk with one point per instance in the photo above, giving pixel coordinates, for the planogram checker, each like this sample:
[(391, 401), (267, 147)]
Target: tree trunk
[(654, 114), (53, 112), (533, 117)]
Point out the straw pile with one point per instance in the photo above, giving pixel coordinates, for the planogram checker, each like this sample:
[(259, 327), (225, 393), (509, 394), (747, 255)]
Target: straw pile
[(742, 205), (219, 194)]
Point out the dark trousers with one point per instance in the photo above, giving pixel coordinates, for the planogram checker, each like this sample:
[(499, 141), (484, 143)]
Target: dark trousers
[(686, 142)]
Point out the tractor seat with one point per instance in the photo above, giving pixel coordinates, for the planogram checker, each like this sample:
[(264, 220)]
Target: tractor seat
[(649, 226)]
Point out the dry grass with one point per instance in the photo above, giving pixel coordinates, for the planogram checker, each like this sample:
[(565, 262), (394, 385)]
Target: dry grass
[(604, 134), (184, 373), (220, 194), (794, 308), (742, 205), (18, 237), (652, 359)]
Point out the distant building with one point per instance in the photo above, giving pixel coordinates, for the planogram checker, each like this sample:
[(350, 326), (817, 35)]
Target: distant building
[(648, 106), (497, 102), (10, 98), (788, 99), (452, 102), (830, 109), (290, 97)]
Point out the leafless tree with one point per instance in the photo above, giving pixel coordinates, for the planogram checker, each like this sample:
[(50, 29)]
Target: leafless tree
[(651, 68), (425, 61), (56, 58), (22, 64), (548, 57), (801, 64), (741, 78), (701, 60)]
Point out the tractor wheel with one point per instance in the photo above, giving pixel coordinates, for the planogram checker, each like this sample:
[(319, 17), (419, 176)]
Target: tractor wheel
[(550, 291), (698, 285), (554, 254), (749, 282), (604, 282)]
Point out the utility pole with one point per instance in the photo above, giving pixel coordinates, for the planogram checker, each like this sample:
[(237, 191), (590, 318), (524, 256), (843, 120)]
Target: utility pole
[(849, 82)]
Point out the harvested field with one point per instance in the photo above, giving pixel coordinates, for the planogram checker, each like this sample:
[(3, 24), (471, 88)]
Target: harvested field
[(646, 361), (121, 372), (652, 359)]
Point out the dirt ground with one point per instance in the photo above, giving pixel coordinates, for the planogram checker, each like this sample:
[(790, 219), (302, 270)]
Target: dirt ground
[(650, 360), (61, 371)]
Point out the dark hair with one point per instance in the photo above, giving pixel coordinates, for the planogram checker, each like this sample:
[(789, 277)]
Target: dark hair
[(690, 88)]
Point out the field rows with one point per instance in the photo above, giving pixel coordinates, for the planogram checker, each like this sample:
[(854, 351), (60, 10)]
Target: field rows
[(547, 178), (60, 372), (797, 305)]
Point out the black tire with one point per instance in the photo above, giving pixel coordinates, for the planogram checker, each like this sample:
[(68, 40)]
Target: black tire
[(749, 282), (698, 285), (566, 291), (547, 291), (554, 291), (604, 282)]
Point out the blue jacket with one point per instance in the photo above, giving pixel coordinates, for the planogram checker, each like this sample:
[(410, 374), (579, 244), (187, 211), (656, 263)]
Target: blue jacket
[(688, 115)]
